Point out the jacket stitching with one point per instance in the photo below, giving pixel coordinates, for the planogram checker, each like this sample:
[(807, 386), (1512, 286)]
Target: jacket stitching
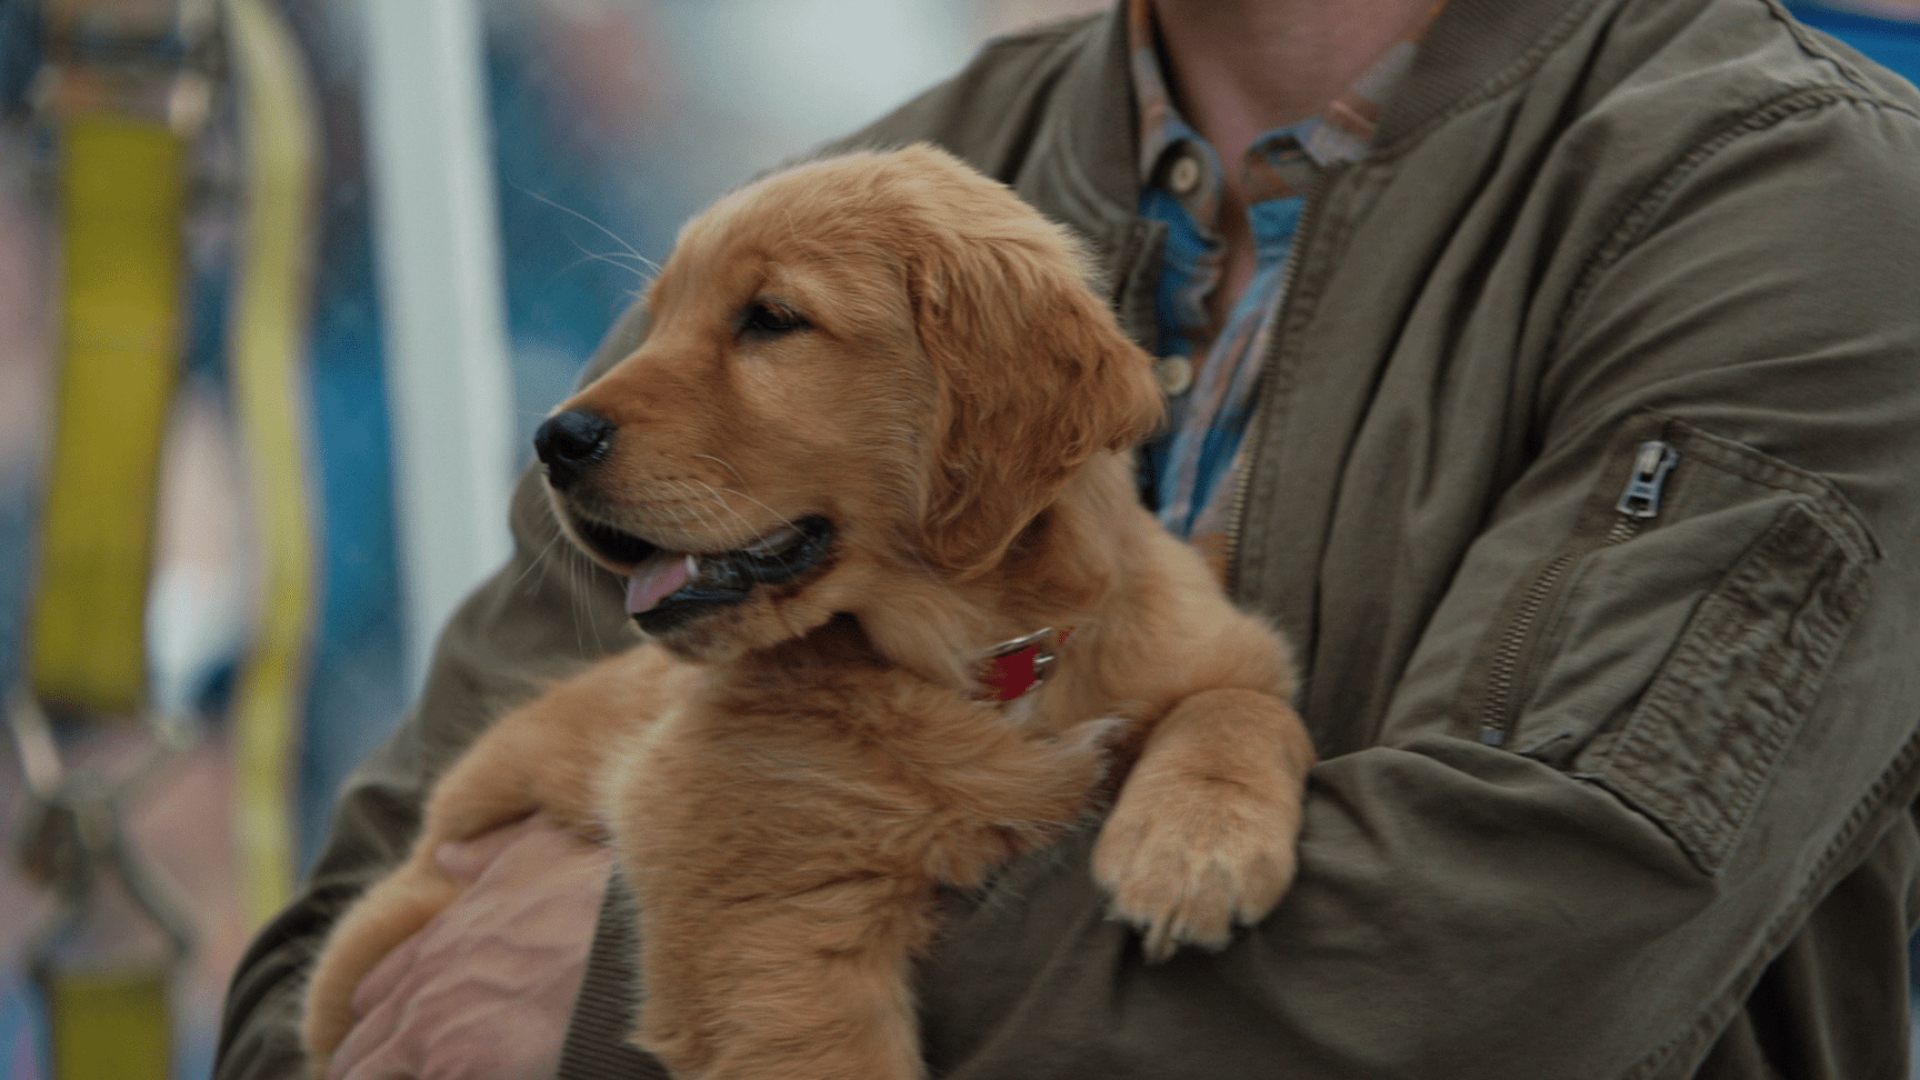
[(1829, 504), (1641, 213), (1812, 47), (1493, 86), (1322, 240), (1793, 654)]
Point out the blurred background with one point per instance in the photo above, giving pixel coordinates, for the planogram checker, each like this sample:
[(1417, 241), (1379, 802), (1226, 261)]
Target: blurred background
[(287, 216)]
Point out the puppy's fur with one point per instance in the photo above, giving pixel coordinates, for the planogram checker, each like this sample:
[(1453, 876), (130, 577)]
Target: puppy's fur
[(898, 346)]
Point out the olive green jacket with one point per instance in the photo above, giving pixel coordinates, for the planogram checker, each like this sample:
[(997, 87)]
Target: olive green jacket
[(1604, 795)]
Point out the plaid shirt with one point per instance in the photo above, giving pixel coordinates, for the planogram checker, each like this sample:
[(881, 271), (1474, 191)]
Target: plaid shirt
[(1210, 373)]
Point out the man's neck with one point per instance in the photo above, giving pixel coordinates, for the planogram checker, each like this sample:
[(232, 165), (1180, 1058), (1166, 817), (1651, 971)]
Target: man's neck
[(1241, 67)]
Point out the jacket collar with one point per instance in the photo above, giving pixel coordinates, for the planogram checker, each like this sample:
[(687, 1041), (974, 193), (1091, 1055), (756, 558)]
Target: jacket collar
[(1473, 50)]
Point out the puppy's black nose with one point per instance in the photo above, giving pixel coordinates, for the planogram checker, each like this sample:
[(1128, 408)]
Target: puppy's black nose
[(571, 442)]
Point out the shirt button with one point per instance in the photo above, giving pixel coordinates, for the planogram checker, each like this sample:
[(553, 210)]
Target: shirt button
[(1184, 176), (1174, 373)]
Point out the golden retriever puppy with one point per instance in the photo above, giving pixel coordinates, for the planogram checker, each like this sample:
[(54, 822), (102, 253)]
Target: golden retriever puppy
[(879, 429)]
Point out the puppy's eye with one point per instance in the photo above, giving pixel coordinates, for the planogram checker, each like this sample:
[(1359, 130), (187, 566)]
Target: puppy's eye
[(769, 318)]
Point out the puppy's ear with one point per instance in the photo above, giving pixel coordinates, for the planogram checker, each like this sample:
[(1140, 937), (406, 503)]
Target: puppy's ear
[(1035, 377)]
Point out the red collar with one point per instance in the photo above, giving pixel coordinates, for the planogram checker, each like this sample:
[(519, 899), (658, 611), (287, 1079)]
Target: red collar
[(1014, 667)]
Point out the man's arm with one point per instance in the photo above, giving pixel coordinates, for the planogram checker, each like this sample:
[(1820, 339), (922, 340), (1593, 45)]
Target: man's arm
[(1609, 789)]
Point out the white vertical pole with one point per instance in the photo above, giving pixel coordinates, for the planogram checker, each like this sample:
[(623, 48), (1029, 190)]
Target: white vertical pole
[(437, 238)]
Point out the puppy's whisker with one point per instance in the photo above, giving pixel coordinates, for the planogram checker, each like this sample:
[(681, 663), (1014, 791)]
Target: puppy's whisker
[(746, 527), (623, 257), (720, 497), (783, 519), (559, 534), (713, 521), (614, 236), (703, 512), (685, 508), (610, 258), (725, 465), (573, 598), (599, 645)]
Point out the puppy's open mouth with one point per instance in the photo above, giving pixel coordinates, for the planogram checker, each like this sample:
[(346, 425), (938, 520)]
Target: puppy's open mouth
[(667, 588)]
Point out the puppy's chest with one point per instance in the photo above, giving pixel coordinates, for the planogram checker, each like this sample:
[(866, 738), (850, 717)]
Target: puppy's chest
[(1077, 694)]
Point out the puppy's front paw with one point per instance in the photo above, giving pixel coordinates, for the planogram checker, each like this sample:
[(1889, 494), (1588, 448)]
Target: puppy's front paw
[(1202, 835), (1185, 858)]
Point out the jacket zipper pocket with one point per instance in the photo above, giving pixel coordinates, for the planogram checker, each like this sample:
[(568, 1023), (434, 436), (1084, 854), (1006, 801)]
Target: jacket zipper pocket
[(1638, 504)]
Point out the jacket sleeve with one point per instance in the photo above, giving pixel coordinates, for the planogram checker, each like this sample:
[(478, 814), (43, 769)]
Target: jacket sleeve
[(536, 620), (1629, 756)]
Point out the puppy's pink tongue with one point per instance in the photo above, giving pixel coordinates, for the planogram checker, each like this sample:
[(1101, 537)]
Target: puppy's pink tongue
[(655, 580)]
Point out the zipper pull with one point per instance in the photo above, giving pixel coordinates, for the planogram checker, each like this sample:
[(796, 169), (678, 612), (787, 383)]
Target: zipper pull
[(1650, 468)]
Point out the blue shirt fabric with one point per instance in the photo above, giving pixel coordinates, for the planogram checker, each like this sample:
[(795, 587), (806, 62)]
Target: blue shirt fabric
[(1211, 372)]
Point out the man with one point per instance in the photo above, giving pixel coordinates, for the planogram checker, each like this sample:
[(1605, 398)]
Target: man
[(1549, 370)]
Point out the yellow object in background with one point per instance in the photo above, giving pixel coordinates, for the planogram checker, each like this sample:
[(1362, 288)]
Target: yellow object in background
[(109, 1024), (112, 944), (122, 191), (278, 125)]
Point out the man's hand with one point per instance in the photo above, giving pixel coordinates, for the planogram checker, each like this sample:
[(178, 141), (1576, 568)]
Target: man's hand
[(485, 990)]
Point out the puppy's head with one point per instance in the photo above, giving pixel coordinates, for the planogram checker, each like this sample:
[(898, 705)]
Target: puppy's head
[(864, 367)]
